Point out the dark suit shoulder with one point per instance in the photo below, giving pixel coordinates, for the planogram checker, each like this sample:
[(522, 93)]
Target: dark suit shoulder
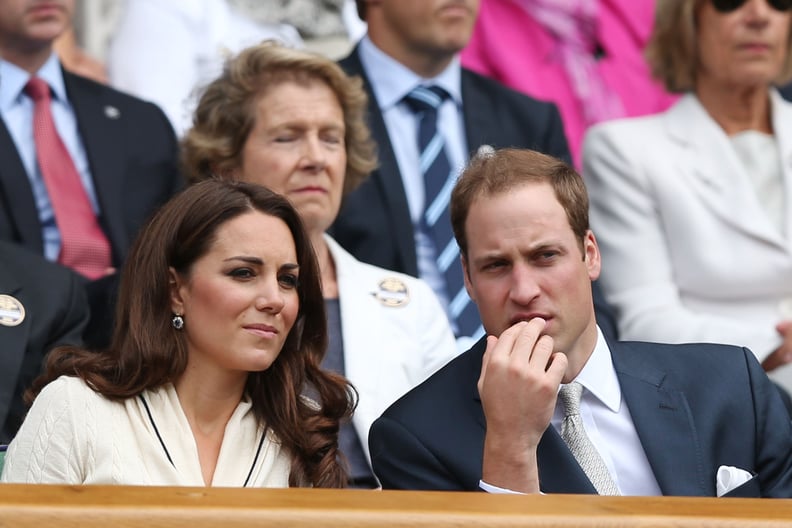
[(99, 103), (501, 117), (502, 94), (22, 266), (452, 385), (432, 438), (106, 93), (681, 359)]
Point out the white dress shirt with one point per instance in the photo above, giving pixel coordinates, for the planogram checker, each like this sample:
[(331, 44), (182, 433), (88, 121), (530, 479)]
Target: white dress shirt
[(609, 424)]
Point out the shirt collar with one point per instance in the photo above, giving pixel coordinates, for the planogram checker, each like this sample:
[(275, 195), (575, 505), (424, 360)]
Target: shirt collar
[(395, 80), (13, 80), (599, 376)]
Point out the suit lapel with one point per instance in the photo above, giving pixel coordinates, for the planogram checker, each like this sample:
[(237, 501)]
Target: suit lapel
[(477, 120), (387, 175), (13, 345), (719, 179), (663, 422), (559, 472), (101, 130), (19, 201)]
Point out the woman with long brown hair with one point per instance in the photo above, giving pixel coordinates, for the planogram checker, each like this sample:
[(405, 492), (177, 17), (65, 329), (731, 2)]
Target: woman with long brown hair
[(295, 122), (220, 331)]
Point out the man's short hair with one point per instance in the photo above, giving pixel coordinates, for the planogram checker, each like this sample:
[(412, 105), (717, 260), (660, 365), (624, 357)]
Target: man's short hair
[(493, 172)]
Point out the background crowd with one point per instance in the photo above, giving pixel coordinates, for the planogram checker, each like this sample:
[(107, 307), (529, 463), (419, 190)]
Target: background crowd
[(242, 252)]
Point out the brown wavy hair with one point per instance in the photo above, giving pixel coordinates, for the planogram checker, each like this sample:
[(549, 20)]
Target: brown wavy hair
[(226, 111), (147, 352)]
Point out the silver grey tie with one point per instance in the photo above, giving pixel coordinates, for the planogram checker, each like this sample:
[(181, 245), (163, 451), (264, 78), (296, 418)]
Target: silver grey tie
[(574, 434)]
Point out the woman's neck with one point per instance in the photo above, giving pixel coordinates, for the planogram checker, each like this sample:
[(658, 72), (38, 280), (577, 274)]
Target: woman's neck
[(326, 266), (208, 407), (736, 109)]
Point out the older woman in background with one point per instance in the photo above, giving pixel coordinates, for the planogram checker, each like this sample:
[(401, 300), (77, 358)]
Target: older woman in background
[(693, 207), (294, 122), (221, 325)]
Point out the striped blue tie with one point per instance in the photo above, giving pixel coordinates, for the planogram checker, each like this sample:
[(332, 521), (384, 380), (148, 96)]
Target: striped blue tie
[(438, 182)]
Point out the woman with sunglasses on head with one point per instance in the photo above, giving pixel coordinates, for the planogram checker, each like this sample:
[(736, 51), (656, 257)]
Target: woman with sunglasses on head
[(693, 207)]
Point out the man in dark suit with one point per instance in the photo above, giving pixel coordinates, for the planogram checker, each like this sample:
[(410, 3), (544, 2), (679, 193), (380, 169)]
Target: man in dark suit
[(631, 418), (42, 305), (123, 152), (411, 43)]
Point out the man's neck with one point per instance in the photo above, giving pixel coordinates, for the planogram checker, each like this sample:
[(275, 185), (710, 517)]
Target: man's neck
[(29, 59), (421, 62)]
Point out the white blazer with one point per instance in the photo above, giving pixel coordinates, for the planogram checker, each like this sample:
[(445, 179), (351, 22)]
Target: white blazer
[(395, 334), (688, 252)]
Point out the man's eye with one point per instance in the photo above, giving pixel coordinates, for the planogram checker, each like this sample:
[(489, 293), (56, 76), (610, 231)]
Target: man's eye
[(494, 265)]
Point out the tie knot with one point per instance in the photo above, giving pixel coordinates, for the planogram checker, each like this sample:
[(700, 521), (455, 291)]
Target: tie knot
[(38, 89), (570, 396), (425, 98)]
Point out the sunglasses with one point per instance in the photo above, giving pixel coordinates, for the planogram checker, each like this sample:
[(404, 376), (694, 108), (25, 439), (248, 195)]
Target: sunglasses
[(727, 6)]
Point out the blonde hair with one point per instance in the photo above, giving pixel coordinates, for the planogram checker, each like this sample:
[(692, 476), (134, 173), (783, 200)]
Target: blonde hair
[(672, 51)]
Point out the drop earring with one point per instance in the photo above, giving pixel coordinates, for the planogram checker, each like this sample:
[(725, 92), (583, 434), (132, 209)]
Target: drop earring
[(177, 322)]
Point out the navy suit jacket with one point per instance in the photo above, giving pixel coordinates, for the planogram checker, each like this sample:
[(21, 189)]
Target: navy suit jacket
[(374, 223), (695, 408), (56, 313), (133, 157)]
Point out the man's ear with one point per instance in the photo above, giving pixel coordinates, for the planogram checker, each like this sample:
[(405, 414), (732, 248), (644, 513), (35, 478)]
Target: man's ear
[(466, 276), (175, 284), (591, 255)]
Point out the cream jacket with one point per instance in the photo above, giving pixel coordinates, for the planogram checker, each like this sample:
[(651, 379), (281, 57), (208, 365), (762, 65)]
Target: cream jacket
[(395, 333), (688, 251), (73, 435)]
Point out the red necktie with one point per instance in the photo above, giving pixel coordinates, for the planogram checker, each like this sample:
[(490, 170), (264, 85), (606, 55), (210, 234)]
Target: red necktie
[(84, 247)]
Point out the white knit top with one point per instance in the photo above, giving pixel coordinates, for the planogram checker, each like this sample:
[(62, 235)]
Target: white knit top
[(73, 435)]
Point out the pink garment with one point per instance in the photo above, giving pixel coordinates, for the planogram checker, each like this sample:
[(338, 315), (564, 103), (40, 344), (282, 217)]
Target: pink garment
[(522, 51)]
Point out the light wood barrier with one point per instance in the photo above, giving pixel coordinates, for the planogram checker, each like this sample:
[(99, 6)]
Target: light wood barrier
[(23, 506)]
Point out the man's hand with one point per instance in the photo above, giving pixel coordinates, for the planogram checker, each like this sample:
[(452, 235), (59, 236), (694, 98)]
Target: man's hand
[(783, 354), (519, 381)]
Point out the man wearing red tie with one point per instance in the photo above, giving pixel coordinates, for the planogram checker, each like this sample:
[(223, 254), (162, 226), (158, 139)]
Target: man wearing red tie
[(81, 165)]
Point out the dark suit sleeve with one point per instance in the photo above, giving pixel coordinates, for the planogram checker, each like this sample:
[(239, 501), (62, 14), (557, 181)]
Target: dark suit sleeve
[(402, 461), (773, 434)]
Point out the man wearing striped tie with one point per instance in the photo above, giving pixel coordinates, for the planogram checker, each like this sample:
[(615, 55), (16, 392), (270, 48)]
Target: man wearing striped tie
[(427, 114), (547, 402)]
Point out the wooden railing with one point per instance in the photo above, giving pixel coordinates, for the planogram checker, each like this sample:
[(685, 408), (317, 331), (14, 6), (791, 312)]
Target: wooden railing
[(38, 506)]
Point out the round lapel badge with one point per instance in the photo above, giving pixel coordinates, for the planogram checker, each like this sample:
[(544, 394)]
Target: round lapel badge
[(392, 292), (12, 313)]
